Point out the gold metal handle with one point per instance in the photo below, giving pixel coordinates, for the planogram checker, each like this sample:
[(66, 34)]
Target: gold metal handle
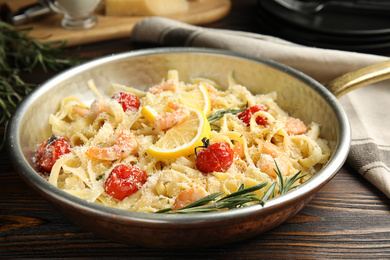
[(362, 77)]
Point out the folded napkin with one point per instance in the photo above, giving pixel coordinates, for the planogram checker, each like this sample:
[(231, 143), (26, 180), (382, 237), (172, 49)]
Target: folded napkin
[(368, 108)]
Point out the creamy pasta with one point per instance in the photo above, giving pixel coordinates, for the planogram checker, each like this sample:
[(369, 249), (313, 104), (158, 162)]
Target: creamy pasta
[(105, 126)]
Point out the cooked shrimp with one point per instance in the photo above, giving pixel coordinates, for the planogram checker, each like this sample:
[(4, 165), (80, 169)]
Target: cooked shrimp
[(212, 92), (188, 196), (125, 144), (169, 120), (238, 149), (272, 153), (295, 126), (267, 164), (98, 106), (168, 85), (270, 148)]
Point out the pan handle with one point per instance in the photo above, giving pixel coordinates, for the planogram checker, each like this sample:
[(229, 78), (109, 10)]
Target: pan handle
[(362, 77)]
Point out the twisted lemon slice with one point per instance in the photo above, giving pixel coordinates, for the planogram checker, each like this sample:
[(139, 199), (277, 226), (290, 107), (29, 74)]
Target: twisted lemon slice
[(198, 97), (182, 139)]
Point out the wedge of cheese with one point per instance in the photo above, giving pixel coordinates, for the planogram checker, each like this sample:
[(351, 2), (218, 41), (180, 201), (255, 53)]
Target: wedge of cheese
[(145, 7)]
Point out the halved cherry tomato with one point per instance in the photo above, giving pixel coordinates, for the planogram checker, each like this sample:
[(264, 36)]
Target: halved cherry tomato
[(124, 180), (216, 157), (246, 115), (50, 151), (127, 100)]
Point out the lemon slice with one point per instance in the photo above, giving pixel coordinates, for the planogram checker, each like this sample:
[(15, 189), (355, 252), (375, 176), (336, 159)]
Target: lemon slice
[(149, 113), (182, 139), (198, 97)]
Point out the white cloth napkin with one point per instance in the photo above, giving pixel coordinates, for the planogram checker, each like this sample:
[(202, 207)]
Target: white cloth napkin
[(368, 107)]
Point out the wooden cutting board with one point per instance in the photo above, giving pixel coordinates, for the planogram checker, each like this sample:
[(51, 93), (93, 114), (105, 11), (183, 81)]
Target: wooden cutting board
[(114, 27)]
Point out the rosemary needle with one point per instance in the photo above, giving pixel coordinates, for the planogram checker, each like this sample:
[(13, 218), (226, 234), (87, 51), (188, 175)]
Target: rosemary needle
[(219, 114)]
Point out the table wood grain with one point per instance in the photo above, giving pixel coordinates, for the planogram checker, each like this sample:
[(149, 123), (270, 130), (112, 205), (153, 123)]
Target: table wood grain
[(347, 219)]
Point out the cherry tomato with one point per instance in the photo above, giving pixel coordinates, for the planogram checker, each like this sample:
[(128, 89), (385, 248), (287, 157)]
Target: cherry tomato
[(216, 157), (50, 151), (124, 180), (246, 115), (127, 100)]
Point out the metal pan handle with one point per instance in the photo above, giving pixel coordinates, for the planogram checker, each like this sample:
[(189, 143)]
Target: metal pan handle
[(362, 77)]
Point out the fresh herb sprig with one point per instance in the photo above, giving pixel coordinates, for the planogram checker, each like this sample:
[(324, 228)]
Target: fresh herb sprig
[(21, 53), (239, 198), (209, 203), (285, 185), (220, 113)]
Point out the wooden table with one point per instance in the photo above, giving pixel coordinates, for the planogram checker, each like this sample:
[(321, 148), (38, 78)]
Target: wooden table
[(348, 219)]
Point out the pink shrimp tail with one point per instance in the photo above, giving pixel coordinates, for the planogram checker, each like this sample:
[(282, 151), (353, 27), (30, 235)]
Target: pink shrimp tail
[(98, 106), (212, 92), (169, 85), (83, 112), (294, 126), (169, 120), (125, 144), (189, 196)]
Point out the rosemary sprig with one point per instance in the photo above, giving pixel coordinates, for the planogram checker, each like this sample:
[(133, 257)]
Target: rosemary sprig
[(21, 53), (220, 113), (239, 198), (285, 185), (209, 203)]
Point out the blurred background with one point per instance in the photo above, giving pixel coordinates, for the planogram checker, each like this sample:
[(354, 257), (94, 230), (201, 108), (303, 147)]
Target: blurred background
[(354, 25)]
